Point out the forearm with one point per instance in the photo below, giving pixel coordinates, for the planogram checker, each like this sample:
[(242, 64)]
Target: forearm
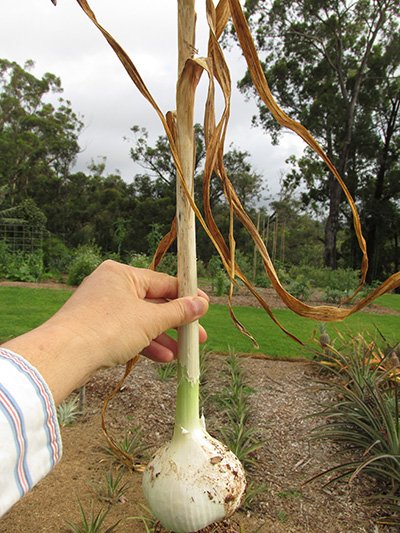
[(62, 356)]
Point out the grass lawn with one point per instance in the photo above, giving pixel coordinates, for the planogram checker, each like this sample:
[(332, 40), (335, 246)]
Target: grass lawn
[(389, 300), (223, 335), (22, 309)]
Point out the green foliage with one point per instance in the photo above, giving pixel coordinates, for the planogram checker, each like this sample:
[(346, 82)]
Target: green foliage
[(253, 492), (334, 295), (68, 411), (4, 252), (56, 255), (168, 264), (19, 265), (238, 434), (131, 445), (139, 260), (344, 280), (220, 283), (201, 269), (38, 138), (245, 263), (120, 231), (262, 281), (91, 523), (300, 288), (166, 371), (87, 258), (154, 237), (214, 265), (365, 414), (147, 520), (114, 487)]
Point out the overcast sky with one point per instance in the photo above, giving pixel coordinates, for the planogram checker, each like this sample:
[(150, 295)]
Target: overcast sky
[(62, 40)]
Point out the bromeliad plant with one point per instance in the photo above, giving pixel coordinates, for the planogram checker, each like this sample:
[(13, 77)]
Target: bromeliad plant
[(194, 480), (365, 416)]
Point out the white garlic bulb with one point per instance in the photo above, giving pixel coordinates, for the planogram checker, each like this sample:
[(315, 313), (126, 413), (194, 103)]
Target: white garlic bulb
[(193, 481)]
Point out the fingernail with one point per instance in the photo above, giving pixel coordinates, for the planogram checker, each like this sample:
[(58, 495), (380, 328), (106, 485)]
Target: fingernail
[(199, 306)]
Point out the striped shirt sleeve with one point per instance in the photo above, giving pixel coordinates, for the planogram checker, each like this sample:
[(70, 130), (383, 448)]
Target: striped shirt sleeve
[(30, 442)]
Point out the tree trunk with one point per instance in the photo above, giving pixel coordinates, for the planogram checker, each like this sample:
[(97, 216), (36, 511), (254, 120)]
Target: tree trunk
[(377, 206), (335, 193), (332, 224)]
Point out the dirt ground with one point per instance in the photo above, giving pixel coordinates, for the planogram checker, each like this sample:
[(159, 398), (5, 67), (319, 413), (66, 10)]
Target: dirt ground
[(285, 393)]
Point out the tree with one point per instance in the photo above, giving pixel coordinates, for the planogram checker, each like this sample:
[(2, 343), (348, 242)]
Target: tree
[(381, 211), (38, 141), (302, 235), (161, 173), (319, 62), (155, 188)]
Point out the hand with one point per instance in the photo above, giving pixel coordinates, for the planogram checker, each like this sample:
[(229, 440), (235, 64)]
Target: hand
[(128, 310), (117, 312)]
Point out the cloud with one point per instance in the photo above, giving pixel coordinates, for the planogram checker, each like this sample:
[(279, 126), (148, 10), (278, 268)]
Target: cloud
[(63, 41)]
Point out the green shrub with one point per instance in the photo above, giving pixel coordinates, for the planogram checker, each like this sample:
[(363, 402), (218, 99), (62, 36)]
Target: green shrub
[(4, 251), (87, 258), (139, 260), (169, 264), (201, 269), (300, 288), (334, 295), (57, 256), (20, 266), (245, 264), (114, 256), (220, 283), (283, 275), (341, 279), (214, 265), (154, 237), (263, 281)]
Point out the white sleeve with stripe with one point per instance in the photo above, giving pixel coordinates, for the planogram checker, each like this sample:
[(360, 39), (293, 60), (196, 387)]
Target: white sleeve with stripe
[(30, 443)]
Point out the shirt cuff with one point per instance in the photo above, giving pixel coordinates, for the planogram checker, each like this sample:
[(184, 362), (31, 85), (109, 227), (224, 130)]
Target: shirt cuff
[(30, 441)]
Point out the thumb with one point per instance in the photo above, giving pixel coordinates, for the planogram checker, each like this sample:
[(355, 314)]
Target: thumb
[(180, 311)]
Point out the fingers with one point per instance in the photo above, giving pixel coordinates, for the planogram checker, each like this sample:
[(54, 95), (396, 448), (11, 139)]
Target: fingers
[(158, 352), (202, 334), (164, 348)]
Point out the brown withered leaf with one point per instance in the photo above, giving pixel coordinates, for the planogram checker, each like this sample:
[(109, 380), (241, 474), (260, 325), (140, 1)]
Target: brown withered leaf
[(215, 131)]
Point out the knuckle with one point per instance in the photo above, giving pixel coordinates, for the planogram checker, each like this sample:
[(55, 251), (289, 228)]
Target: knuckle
[(109, 264)]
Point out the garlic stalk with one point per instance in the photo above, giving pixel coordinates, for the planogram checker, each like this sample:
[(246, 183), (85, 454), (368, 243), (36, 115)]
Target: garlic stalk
[(194, 480)]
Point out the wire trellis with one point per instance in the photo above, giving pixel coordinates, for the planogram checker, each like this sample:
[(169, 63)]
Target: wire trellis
[(21, 236)]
